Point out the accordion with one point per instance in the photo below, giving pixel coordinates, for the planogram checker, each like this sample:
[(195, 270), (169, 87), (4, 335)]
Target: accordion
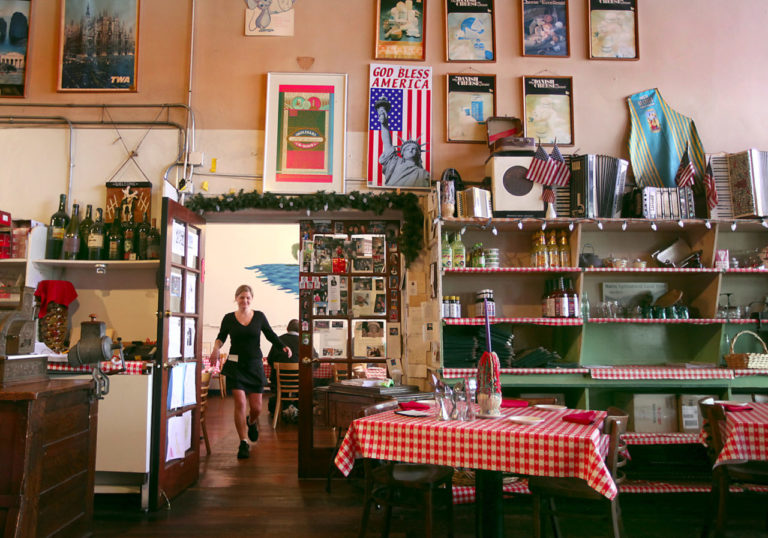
[(474, 202), (597, 185), (668, 203), (748, 173)]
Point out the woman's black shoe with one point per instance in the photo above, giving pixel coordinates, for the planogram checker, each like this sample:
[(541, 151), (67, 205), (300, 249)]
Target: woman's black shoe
[(244, 451), (253, 432)]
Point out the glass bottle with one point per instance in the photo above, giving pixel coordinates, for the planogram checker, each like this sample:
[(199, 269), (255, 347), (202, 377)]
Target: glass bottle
[(459, 252), (553, 252), (130, 242), (573, 299), (564, 249), (446, 254), (585, 306), (58, 225), (539, 250), (560, 299), (153, 242), (545, 300), (142, 231), (115, 237), (71, 243), (85, 230), (95, 241)]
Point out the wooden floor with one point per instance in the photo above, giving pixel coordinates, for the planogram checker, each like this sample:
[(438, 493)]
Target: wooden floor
[(261, 496)]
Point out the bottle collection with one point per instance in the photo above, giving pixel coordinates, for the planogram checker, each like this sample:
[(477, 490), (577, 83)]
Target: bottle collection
[(73, 238), (560, 300), (550, 249)]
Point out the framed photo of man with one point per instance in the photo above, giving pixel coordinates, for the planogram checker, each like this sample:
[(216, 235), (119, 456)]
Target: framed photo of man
[(305, 132), (399, 126), (400, 29), (470, 33), (548, 109), (470, 101), (92, 59), (613, 30), (545, 28)]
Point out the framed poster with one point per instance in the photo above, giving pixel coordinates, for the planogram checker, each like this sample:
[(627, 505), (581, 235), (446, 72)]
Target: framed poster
[(400, 29), (399, 126), (470, 33), (613, 30), (305, 132), (470, 101), (273, 18), (548, 109), (545, 28), (91, 58), (14, 47)]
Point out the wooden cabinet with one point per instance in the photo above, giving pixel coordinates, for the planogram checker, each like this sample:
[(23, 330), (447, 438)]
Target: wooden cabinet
[(47, 450)]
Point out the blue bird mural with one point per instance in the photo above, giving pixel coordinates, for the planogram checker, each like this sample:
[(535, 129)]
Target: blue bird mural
[(285, 276)]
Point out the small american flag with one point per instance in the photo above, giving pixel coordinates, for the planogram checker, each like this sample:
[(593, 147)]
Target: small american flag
[(541, 167), (709, 187), (561, 172), (685, 172)]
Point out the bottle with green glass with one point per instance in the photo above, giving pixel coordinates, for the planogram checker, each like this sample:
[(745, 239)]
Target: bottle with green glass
[(95, 245), (459, 252), (130, 242), (56, 229), (446, 253), (71, 243), (115, 237), (142, 233), (153, 242), (85, 230)]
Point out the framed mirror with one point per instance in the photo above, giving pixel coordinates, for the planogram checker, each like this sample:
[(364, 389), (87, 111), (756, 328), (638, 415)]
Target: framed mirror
[(329, 338)]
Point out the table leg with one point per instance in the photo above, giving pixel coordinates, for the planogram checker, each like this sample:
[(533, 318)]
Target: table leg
[(489, 522)]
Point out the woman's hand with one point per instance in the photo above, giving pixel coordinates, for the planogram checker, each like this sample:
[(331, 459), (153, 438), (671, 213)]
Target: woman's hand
[(214, 357), (287, 351)]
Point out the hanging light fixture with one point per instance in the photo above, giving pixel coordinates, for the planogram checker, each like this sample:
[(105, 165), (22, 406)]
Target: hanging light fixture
[(519, 224), (708, 224), (733, 226), (680, 223), (600, 224), (570, 226), (624, 226), (654, 227)]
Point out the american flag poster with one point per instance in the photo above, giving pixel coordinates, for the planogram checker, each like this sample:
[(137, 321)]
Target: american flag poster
[(399, 126)]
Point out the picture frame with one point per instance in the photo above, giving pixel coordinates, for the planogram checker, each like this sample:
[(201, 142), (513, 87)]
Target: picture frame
[(548, 109), (613, 30), (470, 31), (305, 133), (470, 100), (399, 127), (400, 30), (15, 49), (545, 28), (109, 65)]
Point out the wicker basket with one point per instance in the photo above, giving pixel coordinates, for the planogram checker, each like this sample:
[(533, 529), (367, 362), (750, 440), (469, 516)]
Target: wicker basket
[(747, 360)]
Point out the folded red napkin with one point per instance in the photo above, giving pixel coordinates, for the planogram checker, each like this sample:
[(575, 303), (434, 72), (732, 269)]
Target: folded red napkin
[(511, 402), (585, 417), (735, 407), (414, 406)]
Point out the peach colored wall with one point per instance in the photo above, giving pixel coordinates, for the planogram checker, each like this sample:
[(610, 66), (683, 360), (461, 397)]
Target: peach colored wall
[(706, 56)]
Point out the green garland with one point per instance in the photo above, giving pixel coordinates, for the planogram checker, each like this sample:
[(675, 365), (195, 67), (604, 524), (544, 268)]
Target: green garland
[(411, 239)]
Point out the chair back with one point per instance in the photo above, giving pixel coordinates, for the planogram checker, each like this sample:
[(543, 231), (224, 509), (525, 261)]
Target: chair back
[(287, 374), (205, 381), (340, 371), (615, 426), (380, 407), (714, 425)]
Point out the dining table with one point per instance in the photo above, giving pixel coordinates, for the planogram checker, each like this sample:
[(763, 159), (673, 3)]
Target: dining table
[(509, 443), (746, 433)]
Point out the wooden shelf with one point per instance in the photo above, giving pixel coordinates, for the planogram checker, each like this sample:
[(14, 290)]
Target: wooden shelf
[(559, 322), (92, 264)]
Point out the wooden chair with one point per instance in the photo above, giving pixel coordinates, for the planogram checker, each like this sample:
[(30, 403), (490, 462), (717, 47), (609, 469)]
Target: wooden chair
[(750, 472), (548, 488), (287, 375), (422, 487), (205, 381), (340, 371)]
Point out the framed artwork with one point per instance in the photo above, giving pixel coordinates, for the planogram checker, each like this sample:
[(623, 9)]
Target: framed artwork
[(400, 29), (548, 109), (470, 33), (305, 132), (14, 47), (399, 126), (613, 30), (545, 28), (273, 18), (470, 101), (92, 59)]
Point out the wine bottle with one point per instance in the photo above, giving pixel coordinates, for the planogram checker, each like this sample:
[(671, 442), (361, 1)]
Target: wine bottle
[(85, 230), (71, 244), (95, 247), (129, 233), (142, 231), (58, 226), (115, 237), (153, 242)]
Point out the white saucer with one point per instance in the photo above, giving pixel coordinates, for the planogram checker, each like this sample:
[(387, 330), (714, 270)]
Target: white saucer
[(481, 415), (730, 402), (550, 407), (525, 419)]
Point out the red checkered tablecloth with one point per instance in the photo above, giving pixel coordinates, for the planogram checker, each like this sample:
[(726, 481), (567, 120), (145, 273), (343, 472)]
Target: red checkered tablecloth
[(553, 447), (746, 436), (753, 371), (662, 372), (634, 438), (458, 373), (131, 367)]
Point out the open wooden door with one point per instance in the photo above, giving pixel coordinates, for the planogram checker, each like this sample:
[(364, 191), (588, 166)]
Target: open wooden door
[(176, 393)]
